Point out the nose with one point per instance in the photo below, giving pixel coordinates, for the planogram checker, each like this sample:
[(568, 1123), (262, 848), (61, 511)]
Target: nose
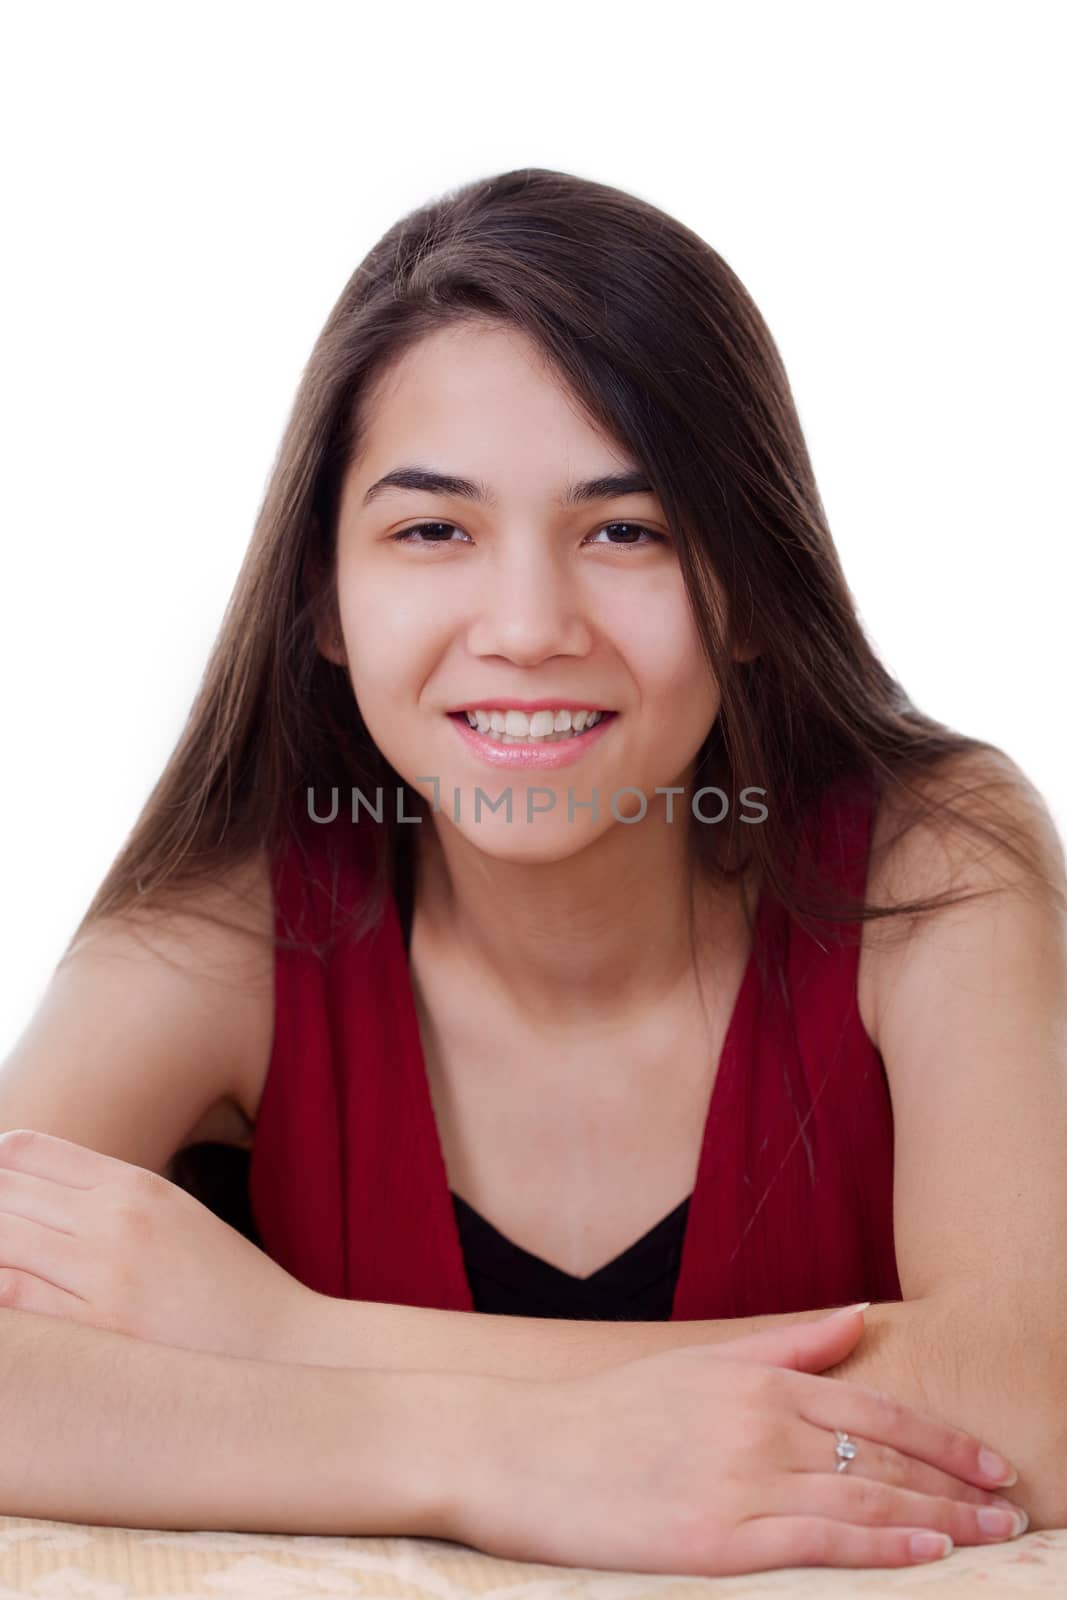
[(529, 606)]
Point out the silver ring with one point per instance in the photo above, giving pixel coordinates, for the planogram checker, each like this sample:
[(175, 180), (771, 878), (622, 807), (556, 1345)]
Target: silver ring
[(845, 1450)]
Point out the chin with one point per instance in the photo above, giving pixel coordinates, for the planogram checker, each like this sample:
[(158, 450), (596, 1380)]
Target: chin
[(521, 843)]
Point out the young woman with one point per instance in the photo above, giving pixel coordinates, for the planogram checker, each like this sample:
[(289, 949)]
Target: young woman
[(574, 920)]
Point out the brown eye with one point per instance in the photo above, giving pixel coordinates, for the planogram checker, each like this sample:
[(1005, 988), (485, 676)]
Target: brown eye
[(633, 527), (406, 534)]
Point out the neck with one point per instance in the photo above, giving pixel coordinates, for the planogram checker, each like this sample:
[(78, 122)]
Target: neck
[(599, 937)]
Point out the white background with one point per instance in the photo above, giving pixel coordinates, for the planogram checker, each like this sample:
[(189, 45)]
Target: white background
[(187, 188)]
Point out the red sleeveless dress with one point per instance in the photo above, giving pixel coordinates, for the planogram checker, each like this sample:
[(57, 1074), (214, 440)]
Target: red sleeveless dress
[(792, 1205)]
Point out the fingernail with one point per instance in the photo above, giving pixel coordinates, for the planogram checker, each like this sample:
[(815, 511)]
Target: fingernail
[(996, 1469), (844, 1310), (1022, 1520), (928, 1546)]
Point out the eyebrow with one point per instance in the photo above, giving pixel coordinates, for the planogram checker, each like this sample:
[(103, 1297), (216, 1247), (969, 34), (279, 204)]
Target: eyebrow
[(426, 481)]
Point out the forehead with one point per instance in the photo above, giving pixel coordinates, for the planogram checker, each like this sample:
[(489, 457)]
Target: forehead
[(448, 354), (475, 390)]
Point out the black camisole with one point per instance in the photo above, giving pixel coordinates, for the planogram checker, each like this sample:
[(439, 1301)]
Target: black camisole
[(637, 1286)]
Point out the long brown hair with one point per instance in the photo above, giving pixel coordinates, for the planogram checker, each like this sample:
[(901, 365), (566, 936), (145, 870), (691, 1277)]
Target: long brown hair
[(659, 340)]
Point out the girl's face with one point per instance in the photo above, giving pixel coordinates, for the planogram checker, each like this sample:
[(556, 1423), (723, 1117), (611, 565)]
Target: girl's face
[(513, 591)]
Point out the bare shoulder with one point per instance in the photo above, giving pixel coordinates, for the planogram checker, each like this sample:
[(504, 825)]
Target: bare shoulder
[(167, 1012), (216, 934), (221, 939), (915, 856)]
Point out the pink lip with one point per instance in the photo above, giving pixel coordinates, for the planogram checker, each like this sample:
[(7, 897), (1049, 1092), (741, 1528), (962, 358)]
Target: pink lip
[(508, 704), (538, 757)]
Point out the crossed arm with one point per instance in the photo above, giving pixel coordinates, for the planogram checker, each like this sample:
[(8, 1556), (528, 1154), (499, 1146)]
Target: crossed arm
[(972, 1029), (971, 1023)]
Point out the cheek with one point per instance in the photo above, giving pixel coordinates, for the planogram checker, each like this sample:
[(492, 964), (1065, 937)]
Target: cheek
[(661, 645), (380, 610), (392, 639)]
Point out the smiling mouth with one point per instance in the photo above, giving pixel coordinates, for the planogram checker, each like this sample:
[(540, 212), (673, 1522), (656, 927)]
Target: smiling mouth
[(557, 736)]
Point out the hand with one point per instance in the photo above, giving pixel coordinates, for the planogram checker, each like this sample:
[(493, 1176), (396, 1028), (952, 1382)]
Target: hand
[(85, 1236), (708, 1461)]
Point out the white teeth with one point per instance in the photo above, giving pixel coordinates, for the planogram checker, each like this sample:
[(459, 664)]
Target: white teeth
[(542, 727)]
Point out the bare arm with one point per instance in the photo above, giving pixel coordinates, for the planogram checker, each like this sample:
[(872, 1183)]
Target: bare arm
[(103, 1429), (334, 1332), (948, 1357)]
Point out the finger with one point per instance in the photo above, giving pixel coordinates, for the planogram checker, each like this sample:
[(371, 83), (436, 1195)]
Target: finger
[(769, 1541), (56, 1257), (800, 1346), (866, 1501), (882, 1462), (46, 1156), (22, 1291), (54, 1205), (881, 1417)]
